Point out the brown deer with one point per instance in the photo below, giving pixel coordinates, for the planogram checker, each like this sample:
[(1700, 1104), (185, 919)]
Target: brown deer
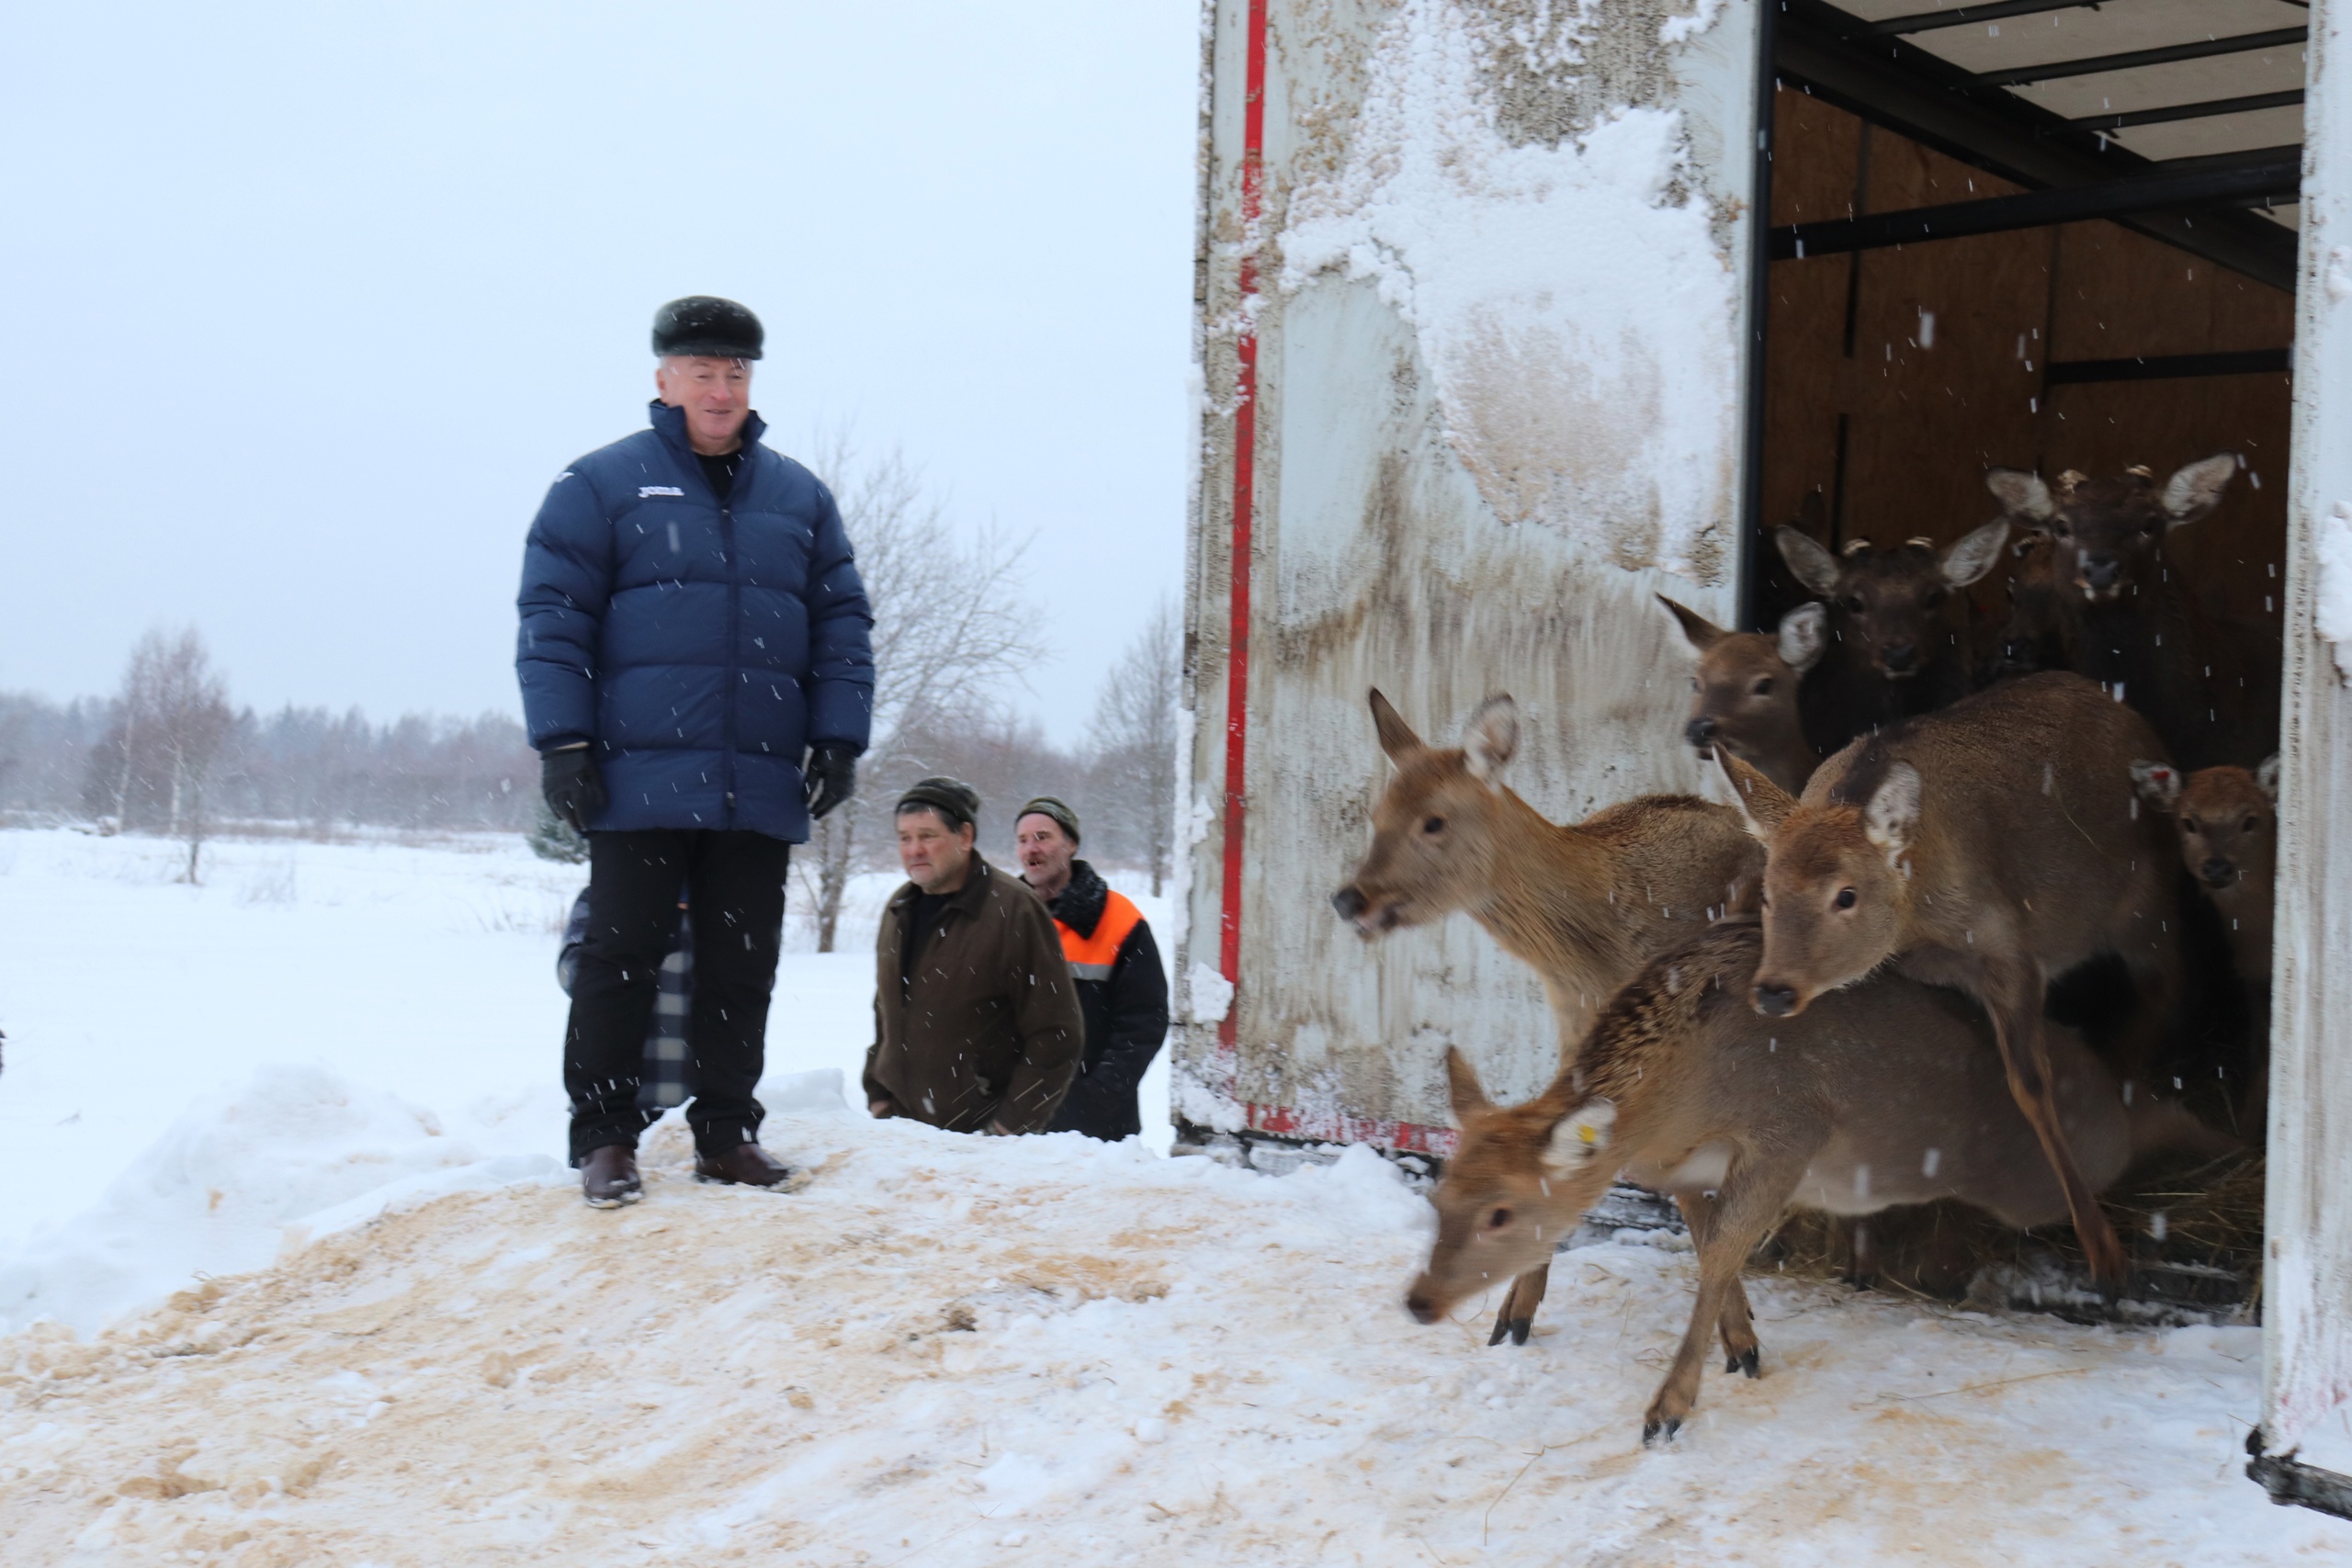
[(1987, 847), (1585, 905), (2042, 629), (1900, 640), (2121, 616), (1744, 697), (1889, 1092), (2228, 822)]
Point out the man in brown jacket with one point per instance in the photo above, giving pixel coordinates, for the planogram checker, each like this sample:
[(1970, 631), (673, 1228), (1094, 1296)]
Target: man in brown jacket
[(977, 1024)]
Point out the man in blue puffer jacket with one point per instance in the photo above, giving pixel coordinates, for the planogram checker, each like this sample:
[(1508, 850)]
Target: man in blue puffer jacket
[(698, 680)]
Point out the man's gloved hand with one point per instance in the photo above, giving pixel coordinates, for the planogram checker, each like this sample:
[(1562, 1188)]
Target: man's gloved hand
[(830, 777), (575, 790)]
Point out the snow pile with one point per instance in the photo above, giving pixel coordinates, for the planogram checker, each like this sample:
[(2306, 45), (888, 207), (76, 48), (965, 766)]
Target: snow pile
[(2332, 614), (1578, 312), (217, 1193), (956, 1350)]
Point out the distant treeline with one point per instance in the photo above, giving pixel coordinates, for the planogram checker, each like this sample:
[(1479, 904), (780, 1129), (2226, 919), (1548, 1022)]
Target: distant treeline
[(303, 766)]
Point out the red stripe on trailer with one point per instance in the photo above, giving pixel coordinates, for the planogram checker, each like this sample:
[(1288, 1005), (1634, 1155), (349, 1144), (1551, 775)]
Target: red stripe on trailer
[(1331, 1127), (1327, 1127), (1245, 441)]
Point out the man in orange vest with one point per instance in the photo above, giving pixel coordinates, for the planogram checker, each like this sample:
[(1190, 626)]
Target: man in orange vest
[(1122, 988)]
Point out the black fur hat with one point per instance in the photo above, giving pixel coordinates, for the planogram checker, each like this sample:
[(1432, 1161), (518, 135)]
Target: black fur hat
[(705, 324)]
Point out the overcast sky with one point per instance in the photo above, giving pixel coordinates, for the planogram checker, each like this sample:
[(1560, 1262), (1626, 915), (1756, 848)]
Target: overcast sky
[(302, 306)]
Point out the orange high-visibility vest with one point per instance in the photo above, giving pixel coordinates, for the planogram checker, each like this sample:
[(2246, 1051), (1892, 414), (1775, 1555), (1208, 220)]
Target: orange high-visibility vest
[(1091, 958)]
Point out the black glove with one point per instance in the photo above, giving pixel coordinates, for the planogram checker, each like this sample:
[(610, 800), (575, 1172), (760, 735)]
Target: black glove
[(575, 790), (830, 777)]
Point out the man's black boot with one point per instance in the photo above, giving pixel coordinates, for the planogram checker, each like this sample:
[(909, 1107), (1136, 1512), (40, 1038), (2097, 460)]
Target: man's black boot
[(609, 1179), (747, 1163)]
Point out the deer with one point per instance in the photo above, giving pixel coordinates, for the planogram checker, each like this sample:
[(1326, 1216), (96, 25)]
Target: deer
[(2119, 612), (1987, 847), (1584, 904), (2228, 821), (1885, 1093), (1744, 697), (2040, 630), (1899, 631)]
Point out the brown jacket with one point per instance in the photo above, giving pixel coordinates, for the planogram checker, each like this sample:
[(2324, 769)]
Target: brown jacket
[(988, 1026)]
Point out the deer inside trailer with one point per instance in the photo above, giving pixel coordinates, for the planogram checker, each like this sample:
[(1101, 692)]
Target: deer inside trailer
[(1515, 316)]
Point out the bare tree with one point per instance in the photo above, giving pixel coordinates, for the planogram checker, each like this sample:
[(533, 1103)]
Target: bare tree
[(192, 719), (1135, 741), (948, 633)]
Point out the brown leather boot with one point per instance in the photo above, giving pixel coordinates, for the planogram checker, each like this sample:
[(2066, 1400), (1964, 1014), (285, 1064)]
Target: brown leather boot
[(747, 1163), (609, 1179)]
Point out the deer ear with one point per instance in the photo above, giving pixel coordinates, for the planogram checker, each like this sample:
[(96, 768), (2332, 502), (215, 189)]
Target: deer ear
[(2022, 493), (1764, 804), (2196, 489), (1580, 1137), (1492, 738), (1891, 819), (1804, 636), (2266, 777), (1814, 567), (1975, 553), (1700, 632), (1462, 1086), (1397, 737), (2158, 783)]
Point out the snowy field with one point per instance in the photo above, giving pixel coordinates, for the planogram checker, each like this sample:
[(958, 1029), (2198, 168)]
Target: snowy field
[(325, 1081)]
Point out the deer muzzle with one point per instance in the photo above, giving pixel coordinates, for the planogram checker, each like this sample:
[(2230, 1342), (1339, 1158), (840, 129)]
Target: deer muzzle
[(1775, 1000)]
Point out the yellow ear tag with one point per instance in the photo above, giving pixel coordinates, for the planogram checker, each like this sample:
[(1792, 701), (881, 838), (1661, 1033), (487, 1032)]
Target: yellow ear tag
[(1585, 1133)]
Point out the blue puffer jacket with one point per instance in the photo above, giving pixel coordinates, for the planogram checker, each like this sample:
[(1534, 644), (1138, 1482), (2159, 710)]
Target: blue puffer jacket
[(700, 648)]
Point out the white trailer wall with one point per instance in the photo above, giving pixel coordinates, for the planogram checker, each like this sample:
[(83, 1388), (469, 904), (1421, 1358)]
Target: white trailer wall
[(2307, 1293), (1495, 280)]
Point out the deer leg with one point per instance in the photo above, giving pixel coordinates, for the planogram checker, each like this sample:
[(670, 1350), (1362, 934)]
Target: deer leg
[(1737, 1324), (2014, 995), (1744, 1207), (1521, 1298)]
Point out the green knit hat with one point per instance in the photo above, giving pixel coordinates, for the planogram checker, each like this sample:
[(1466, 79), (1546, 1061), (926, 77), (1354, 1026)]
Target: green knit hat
[(1049, 805), (957, 803)]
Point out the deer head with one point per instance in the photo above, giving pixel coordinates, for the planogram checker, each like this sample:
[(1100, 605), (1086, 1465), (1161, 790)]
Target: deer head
[(1895, 603), (2108, 531), (1744, 696), (1836, 883), (2228, 819), (1436, 829), (1520, 1178)]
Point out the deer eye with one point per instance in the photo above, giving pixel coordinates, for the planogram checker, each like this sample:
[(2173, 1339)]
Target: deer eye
[(1935, 597), (1844, 899), (1433, 825), (1694, 683), (2190, 825), (1764, 687), (1853, 604), (2250, 824), (1499, 1219)]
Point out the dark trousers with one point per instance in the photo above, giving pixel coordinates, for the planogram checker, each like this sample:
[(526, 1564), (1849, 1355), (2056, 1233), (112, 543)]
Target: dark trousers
[(734, 883)]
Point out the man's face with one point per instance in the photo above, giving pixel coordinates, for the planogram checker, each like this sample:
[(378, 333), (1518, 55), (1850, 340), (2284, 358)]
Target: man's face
[(1044, 849), (934, 854), (716, 394)]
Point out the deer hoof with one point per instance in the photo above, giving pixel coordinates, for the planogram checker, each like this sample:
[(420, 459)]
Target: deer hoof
[(1520, 1328), (1502, 1326), (1650, 1430), (1743, 1362)]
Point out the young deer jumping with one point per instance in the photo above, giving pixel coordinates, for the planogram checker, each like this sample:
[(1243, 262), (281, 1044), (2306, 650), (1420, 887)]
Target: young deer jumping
[(1988, 847), (1891, 1093), (1744, 697), (2228, 822), (1585, 905)]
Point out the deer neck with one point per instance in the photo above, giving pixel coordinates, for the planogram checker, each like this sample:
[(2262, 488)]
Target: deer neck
[(2246, 916), (1554, 903)]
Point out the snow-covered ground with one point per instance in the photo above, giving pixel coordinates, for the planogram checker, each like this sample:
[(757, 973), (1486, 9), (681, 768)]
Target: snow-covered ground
[(934, 1350), (189, 1069)]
